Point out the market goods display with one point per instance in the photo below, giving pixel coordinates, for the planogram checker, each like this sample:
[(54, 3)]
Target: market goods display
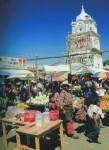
[(3, 102), (27, 116), (38, 100), (76, 90), (54, 115), (21, 106), (78, 102), (104, 103), (12, 111), (105, 97), (3, 106)]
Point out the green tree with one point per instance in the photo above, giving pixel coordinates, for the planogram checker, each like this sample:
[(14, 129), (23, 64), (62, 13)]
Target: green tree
[(106, 62)]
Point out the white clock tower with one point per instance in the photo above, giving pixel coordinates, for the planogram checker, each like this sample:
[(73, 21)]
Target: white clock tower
[(84, 41)]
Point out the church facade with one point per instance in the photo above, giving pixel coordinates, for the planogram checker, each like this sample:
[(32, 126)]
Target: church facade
[(84, 42)]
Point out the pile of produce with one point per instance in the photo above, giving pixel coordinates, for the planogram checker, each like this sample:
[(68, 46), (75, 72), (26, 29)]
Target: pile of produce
[(76, 90), (104, 103), (3, 106), (78, 102), (21, 106), (3, 102), (41, 99)]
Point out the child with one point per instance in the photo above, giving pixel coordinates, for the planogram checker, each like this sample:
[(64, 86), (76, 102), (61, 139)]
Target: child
[(53, 108)]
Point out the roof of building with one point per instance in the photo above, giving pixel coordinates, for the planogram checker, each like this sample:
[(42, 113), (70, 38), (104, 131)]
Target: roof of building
[(83, 15)]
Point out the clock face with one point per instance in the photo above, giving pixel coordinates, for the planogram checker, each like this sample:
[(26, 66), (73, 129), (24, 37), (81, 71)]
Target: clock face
[(80, 27)]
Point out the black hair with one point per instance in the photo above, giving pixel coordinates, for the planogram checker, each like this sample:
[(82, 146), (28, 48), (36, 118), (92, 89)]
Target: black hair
[(51, 95)]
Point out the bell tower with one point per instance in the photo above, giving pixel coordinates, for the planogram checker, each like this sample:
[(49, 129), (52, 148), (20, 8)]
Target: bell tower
[(84, 40)]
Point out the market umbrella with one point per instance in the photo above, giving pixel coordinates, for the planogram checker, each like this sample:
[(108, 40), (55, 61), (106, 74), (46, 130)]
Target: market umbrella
[(58, 77), (63, 77), (102, 75), (54, 78)]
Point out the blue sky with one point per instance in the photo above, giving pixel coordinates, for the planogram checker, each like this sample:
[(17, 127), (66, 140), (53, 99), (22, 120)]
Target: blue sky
[(40, 27)]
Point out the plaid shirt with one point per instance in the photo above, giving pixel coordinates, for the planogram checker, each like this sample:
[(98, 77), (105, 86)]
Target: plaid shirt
[(65, 98)]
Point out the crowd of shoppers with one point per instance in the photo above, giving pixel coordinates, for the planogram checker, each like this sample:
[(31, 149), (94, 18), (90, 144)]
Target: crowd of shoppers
[(61, 104)]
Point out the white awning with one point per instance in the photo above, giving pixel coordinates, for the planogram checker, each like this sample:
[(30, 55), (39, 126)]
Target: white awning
[(58, 68), (20, 76), (20, 73)]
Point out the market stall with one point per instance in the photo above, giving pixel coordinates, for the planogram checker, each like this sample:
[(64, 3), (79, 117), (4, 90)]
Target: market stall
[(104, 105), (38, 132), (18, 116), (38, 102), (56, 73)]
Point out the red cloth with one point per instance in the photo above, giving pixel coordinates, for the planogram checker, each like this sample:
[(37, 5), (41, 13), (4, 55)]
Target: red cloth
[(53, 106), (28, 116), (70, 128), (107, 75), (54, 114)]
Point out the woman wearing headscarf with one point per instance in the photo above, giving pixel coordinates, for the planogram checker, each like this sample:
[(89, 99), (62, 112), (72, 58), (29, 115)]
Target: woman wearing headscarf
[(67, 110)]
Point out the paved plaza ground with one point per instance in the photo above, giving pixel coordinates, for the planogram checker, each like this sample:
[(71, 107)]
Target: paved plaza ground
[(69, 144)]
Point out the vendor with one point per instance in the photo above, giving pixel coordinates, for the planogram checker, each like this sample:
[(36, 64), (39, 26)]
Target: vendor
[(67, 109)]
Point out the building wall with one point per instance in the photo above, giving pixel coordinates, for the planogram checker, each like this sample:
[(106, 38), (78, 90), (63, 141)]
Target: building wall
[(11, 62)]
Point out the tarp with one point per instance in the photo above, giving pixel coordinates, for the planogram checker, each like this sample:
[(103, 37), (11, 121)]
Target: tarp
[(16, 71), (58, 68), (20, 74)]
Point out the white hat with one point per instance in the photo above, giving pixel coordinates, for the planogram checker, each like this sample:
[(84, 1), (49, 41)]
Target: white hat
[(65, 82)]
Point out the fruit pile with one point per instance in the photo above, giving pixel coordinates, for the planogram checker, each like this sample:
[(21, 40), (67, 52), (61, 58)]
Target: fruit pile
[(21, 106), (104, 103)]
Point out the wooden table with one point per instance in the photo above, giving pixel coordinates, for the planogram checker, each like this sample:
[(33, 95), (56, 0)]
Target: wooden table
[(10, 122), (38, 132)]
